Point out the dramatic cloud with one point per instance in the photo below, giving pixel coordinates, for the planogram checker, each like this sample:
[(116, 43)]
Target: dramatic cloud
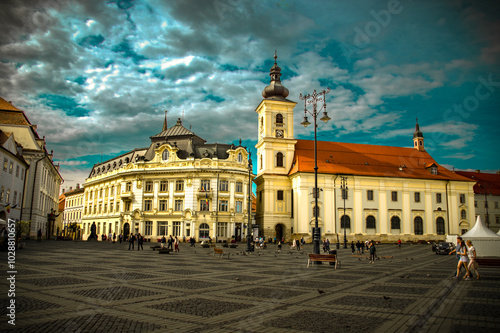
[(97, 76)]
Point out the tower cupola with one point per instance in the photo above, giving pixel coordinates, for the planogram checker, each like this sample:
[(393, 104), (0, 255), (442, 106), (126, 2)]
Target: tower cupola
[(418, 138), (275, 90)]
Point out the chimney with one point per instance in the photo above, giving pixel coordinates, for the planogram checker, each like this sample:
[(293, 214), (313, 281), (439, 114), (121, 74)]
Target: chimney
[(63, 190), (70, 188), (478, 171), (77, 186)]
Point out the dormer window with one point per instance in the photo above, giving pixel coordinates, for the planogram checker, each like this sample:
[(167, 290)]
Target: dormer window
[(434, 170), (166, 154), (240, 158)]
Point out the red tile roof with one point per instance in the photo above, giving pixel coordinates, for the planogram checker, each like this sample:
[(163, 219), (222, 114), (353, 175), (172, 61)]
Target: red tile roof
[(486, 182), (367, 160), (4, 105), (9, 114)]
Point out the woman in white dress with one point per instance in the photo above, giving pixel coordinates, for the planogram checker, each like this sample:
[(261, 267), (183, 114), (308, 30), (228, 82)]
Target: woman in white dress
[(471, 253)]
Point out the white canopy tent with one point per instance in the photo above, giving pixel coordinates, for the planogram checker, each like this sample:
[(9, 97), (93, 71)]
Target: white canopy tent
[(485, 241)]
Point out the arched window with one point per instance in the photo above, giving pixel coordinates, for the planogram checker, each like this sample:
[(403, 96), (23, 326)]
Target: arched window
[(440, 226), (463, 214), (204, 230), (240, 158), (345, 222), (279, 159), (370, 222), (395, 222), (279, 119), (316, 211), (166, 155), (261, 162), (418, 225)]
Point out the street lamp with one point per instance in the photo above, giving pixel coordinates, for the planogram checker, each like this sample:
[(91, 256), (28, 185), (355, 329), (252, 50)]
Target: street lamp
[(249, 227), (314, 99), (344, 188)]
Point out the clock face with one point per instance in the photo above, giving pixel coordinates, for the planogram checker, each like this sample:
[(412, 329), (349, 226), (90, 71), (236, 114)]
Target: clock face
[(279, 133)]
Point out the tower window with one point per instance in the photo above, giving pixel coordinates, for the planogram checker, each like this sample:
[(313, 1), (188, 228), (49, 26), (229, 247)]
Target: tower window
[(279, 119), (279, 159), (280, 195)]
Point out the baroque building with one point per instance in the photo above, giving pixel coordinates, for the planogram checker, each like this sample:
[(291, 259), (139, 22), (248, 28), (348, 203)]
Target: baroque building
[(486, 196), (393, 192), (180, 185), (42, 180), (70, 210)]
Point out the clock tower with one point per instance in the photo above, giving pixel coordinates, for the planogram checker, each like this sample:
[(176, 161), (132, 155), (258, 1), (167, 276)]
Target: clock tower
[(275, 151)]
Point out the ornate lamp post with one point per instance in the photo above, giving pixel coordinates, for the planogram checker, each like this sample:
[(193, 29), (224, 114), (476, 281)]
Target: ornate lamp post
[(344, 188), (249, 227), (314, 99)]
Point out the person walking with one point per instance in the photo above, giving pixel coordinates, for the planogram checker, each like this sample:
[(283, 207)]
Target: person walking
[(279, 246), (114, 237), (464, 261), (140, 241), (39, 235), (176, 244), (171, 243), (298, 244), (457, 249), (352, 247), (471, 253), (120, 238), (362, 247), (373, 251), (192, 241), (163, 242), (399, 243), (358, 247), (131, 241)]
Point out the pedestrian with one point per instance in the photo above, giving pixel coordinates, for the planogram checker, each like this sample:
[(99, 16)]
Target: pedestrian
[(114, 237), (471, 252), (352, 247), (120, 238), (176, 244), (362, 247), (456, 251), (464, 261), (110, 237), (39, 235), (324, 245), (193, 241), (373, 251), (131, 241), (140, 241), (279, 246), (163, 242), (358, 247), (399, 243), (171, 243)]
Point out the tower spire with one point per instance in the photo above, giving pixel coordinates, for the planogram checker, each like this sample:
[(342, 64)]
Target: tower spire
[(165, 122), (418, 138), (275, 90)]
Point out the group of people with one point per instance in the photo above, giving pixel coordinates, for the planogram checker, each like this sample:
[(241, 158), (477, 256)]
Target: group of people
[(466, 255), (172, 243), (133, 238)]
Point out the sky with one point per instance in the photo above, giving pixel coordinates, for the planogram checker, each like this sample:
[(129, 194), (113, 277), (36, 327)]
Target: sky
[(97, 76)]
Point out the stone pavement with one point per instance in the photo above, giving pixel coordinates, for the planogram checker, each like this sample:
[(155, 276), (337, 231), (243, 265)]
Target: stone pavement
[(103, 287)]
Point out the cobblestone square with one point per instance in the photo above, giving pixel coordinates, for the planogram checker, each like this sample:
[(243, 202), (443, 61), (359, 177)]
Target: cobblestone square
[(103, 287)]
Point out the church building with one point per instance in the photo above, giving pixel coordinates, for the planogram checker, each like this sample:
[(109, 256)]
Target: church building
[(392, 192)]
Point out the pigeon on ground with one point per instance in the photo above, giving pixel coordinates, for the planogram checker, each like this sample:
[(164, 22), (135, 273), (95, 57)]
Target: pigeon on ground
[(321, 291), (387, 298)]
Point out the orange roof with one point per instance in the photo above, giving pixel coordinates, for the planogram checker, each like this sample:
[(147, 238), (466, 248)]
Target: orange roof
[(486, 182), (4, 105), (367, 160)]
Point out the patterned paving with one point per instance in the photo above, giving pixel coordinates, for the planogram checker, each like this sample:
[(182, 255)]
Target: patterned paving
[(103, 287)]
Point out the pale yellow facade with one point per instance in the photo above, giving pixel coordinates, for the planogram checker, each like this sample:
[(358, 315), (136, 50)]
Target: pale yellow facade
[(168, 197)]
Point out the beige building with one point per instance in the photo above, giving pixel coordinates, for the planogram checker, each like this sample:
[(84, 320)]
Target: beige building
[(179, 185), (73, 209), (393, 193)]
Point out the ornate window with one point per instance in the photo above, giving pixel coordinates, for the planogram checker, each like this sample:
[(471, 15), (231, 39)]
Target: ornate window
[(239, 187), (223, 205), (345, 222), (179, 205), (417, 196), (204, 205), (165, 155), (179, 186), (240, 158), (164, 186), (279, 159), (205, 185), (438, 197), (369, 195), (440, 226), (148, 205), (418, 225), (224, 186), (463, 214), (280, 195), (239, 206), (370, 222), (148, 187), (204, 230), (163, 205), (394, 196), (395, 222)]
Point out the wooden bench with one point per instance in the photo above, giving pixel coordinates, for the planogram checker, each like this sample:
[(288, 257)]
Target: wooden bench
[(323, 257), (488, 261), (163, 251), (220, 253), (155, 247)]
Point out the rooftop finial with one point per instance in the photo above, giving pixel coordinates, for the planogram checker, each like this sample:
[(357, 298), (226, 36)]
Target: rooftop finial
[(165, 122), (275, 56), (275, 89)]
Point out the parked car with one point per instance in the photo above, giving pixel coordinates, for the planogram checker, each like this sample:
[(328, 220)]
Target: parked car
[(443, 248)]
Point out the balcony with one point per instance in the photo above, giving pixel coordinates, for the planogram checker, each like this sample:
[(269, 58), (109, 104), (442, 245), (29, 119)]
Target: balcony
[(127, 195), (204, 193)]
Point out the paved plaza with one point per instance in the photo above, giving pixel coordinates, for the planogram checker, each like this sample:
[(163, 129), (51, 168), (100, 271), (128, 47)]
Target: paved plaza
[(64, 286)]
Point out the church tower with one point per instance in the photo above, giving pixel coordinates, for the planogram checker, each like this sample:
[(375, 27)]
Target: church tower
[(275, 151), (418, 138)]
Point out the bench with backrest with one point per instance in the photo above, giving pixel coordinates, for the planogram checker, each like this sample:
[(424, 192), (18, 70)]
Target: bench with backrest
[(323, 257), (220, 252), (488, 261)]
